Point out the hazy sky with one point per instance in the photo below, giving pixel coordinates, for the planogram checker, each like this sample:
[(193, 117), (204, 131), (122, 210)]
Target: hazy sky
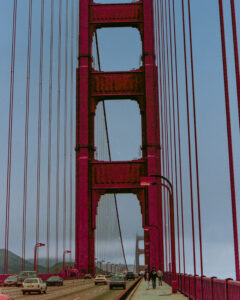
[(120, 49)]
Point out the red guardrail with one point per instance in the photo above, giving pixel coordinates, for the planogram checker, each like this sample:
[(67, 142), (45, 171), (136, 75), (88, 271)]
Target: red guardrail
[(203, 288)]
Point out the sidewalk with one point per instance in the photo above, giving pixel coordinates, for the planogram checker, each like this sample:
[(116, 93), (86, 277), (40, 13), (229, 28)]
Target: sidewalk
[(163, 292)]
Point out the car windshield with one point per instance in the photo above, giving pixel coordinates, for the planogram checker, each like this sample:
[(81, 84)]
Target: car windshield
[(100, 276), (28, 273), (31, 281), (117, 278), (12, 278), (54, 278)]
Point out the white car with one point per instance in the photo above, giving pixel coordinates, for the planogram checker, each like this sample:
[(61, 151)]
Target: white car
[(34, 285), (100, 279)]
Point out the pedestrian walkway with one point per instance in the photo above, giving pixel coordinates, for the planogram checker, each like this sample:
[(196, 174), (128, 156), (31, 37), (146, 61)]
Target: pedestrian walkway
[(163, 292)]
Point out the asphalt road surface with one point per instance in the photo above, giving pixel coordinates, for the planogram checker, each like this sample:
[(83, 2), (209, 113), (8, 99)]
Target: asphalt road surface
[(71, 290)]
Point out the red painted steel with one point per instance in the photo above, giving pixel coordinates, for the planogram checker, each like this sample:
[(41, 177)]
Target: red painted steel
[(210, 289), (198, 283), (117, 174), (233, 290), (219, 289), (112, 14), (109, 84), (192, 286), (207, 288), (93, 178)]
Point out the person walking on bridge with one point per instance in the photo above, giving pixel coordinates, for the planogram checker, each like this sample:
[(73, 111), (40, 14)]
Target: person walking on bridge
[(159, 275), (153, 276), (147, 278)]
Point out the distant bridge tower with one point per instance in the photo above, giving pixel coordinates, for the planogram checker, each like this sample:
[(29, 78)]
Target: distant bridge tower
[(95, 178), (138, 252)]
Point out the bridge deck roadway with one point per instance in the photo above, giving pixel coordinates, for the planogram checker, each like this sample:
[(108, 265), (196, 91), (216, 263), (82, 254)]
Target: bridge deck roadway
[(71, 290), (164, 291)]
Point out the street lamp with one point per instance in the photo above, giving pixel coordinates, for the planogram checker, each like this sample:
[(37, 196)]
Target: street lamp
[(35, 255), (64, 253), (112, 268), (147, 181), (107, 265), (101, 261)]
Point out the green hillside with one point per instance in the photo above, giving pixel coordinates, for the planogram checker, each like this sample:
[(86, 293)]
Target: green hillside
[(15, 263)]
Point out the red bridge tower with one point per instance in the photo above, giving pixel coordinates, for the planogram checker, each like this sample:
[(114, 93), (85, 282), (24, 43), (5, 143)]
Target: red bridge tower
[(95, 178)]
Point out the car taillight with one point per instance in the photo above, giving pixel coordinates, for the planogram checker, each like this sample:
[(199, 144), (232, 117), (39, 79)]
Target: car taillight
[(38, 285)]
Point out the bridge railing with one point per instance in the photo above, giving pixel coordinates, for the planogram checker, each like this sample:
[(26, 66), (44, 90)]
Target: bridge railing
[(204, 288)]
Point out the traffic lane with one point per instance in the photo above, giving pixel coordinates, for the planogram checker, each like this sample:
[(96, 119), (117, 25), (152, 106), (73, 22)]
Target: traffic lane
[(53, 292), (111, 294), (99, 292)]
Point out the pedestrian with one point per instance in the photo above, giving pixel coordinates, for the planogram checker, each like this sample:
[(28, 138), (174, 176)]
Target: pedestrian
[(153, 277), (147, 278), (159, 275)]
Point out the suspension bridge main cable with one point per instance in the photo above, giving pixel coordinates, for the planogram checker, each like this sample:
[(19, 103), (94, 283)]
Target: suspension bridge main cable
[(110, 157)]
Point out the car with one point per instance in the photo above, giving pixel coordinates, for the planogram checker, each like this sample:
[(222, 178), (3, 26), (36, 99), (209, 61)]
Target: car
[(130, 275), (24, 275), (87, 276), (117, 281), (34, 285), (54, 280), (100, 279), (10, 281)]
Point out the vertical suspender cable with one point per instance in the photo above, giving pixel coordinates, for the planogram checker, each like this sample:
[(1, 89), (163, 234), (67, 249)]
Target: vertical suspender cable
[(170, 122), (65, 131), (58, 124), (236, 55), (110, 158), (165, 132), (39, 127), (166, 128), (9, 163), (71, 137), (25, 176), (179, 136), (174, 133), (229, 135), (189, 139), (50, 135), (161, 85), (195, 138)]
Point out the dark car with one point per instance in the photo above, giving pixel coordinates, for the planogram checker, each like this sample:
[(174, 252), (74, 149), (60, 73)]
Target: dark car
[(117, 281), (130, 275), (87, 276), (24, 275), (10, 281), (54, 280)]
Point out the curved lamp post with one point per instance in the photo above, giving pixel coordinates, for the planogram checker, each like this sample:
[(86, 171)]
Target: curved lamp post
[(35, 255), (101, 261), (107, 265), (151, 180), (64, 253)]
